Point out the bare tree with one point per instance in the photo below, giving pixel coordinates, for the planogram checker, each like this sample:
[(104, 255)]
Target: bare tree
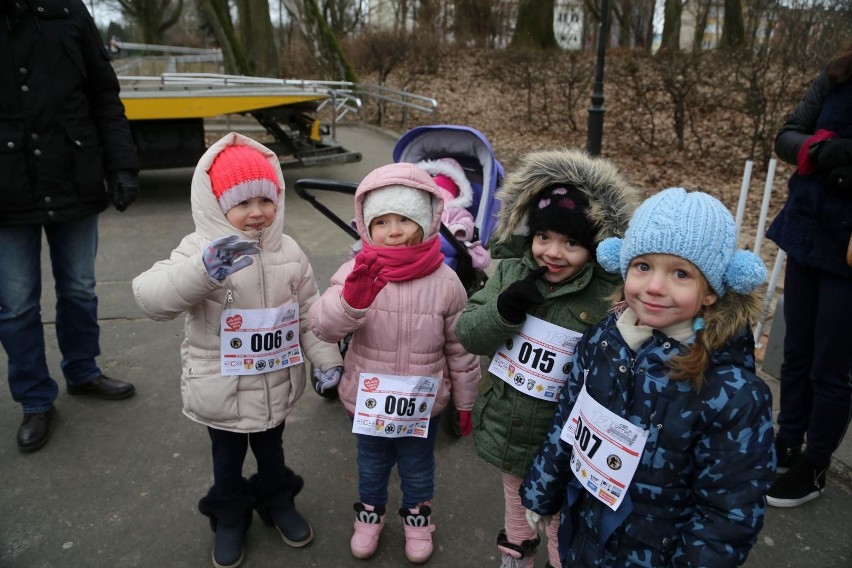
[(256, 35), (670, 41), (534, 27), (733, 28), (153, 17), (216, 14), (324, 44)]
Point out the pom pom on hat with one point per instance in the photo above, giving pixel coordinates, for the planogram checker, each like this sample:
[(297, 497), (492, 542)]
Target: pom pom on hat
[(565, 210), (409, 202), (239, 173), (692, 225), (609, 254), (449, 175)]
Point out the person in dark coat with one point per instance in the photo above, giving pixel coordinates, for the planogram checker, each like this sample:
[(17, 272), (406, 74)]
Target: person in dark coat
[(814, 229), (66, 150)]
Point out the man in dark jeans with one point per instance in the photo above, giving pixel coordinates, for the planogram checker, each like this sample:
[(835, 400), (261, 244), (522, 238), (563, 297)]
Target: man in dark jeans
[(66, 150)]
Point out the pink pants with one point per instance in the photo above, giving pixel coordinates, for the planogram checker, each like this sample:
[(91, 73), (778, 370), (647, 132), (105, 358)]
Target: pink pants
[(517, 528)]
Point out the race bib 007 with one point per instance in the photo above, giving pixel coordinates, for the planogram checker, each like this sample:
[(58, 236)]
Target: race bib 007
[(607, 449)]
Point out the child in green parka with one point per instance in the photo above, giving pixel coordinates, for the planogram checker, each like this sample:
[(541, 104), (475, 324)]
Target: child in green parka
[(546, 291)]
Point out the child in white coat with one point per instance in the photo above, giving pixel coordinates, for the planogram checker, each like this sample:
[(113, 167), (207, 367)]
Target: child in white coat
[(246, 289)]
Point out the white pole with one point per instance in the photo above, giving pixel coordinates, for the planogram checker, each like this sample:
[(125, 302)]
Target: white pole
[(743, 193), (764, 206), (770, 293)]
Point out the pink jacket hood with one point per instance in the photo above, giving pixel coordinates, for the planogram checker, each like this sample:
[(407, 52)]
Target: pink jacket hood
[(403, 174)]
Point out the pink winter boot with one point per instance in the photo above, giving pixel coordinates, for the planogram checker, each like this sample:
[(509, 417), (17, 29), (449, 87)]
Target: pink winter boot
[(418, 532), (369, 522)]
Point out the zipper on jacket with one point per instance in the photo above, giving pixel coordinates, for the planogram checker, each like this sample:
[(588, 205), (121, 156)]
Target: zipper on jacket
[(264, 303), (229, 300)]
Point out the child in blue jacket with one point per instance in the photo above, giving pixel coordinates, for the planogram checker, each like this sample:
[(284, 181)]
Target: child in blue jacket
[(661, 450)]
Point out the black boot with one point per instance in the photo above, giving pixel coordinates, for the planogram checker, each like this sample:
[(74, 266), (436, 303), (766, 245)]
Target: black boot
[(276, 507), (230, 518)]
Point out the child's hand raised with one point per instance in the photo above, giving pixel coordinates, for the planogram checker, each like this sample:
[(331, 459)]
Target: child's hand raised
[(219, 256), (365, 281), (514, 302)]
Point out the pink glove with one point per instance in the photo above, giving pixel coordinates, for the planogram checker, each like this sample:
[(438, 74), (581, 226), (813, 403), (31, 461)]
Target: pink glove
[(465, 422), (805, 160), (365, 281)]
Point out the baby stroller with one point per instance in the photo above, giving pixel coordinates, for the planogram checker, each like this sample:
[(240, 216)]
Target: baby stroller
[(452, 151), (468, 148)]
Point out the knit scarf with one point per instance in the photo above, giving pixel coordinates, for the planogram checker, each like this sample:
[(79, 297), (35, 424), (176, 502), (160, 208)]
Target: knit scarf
[(408, 262)]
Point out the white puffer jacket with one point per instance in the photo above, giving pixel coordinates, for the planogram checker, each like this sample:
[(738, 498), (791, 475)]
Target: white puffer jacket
[(279, 274)]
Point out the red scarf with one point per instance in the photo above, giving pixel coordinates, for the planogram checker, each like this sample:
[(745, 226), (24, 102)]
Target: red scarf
[(408, 262)]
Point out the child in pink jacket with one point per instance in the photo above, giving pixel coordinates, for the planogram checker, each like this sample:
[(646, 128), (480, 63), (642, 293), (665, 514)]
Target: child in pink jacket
[(401, 303)]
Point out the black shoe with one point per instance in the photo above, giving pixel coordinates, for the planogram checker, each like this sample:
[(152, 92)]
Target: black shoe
[(803, 482), (786, 456), (294, 529), (228, 546), (34, 430), (104, 387)]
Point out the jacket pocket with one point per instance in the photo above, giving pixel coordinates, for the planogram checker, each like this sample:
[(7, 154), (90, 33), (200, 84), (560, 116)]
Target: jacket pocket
[(209, 395), (88, 163), (15, 179)]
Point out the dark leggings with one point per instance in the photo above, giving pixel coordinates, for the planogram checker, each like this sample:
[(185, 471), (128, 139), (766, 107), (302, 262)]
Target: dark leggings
[(229, 453), (816, 376)]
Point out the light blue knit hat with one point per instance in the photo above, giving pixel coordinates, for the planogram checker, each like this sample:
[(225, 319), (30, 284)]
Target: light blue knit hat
[(692, 225)]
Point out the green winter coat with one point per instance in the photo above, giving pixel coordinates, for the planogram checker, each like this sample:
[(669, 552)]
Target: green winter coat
[(510, 426)]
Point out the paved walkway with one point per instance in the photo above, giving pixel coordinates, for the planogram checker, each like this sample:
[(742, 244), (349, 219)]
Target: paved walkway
[(117, 485)]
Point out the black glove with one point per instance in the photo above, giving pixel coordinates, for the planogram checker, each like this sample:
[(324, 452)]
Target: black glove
[(834, 153), (124, 188), (841, 178), (514, 302)]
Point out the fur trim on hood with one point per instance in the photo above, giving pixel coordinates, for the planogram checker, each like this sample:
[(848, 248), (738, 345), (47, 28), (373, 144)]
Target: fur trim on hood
[(612, 199), (727, 318), (453, 170)]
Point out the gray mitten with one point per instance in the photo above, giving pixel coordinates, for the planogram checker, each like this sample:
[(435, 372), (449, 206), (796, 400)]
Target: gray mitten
[(219, 256)]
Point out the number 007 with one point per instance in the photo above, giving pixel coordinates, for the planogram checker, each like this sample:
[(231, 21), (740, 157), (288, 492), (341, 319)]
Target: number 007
[(583, 436)]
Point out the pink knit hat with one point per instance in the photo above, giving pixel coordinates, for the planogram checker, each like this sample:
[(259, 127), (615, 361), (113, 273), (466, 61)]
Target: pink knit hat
[(239, 173)]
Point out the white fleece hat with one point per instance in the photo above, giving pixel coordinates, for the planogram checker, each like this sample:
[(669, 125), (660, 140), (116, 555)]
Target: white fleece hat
[(406, 201)]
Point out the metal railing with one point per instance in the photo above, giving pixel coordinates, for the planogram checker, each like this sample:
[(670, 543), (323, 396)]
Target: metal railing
[(344, 97)]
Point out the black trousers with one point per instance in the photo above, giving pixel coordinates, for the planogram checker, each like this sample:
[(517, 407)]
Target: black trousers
[(229, 453), (816, 376)]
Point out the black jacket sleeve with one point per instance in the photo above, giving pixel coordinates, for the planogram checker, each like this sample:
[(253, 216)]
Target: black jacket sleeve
[(801, 124)]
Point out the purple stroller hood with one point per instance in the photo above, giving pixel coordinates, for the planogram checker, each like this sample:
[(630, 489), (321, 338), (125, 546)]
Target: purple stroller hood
[(473, 151)]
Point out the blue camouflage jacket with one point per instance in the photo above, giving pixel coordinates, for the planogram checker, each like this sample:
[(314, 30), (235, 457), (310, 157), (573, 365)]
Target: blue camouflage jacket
[(698, 495)]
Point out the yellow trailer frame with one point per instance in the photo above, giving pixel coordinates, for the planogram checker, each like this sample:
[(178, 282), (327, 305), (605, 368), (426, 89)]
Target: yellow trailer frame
[(167, 115)]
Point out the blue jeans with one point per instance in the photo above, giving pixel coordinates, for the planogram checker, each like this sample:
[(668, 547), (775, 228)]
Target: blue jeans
[(415, 461), (73, 247)]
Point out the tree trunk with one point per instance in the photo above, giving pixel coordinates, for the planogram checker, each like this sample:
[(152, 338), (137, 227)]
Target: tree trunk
[(671, 26), (733, 29), (217, 15), (257, 37), (702, 11), (534, 28)]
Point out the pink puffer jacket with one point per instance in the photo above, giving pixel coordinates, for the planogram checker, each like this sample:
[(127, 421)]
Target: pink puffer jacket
[(410, 327)]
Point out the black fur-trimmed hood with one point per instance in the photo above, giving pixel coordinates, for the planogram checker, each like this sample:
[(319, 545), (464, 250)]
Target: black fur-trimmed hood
[(612, 199)]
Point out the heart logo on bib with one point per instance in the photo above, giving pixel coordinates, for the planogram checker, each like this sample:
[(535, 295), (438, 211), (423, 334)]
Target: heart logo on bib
[(234, 322), (371, 384)]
